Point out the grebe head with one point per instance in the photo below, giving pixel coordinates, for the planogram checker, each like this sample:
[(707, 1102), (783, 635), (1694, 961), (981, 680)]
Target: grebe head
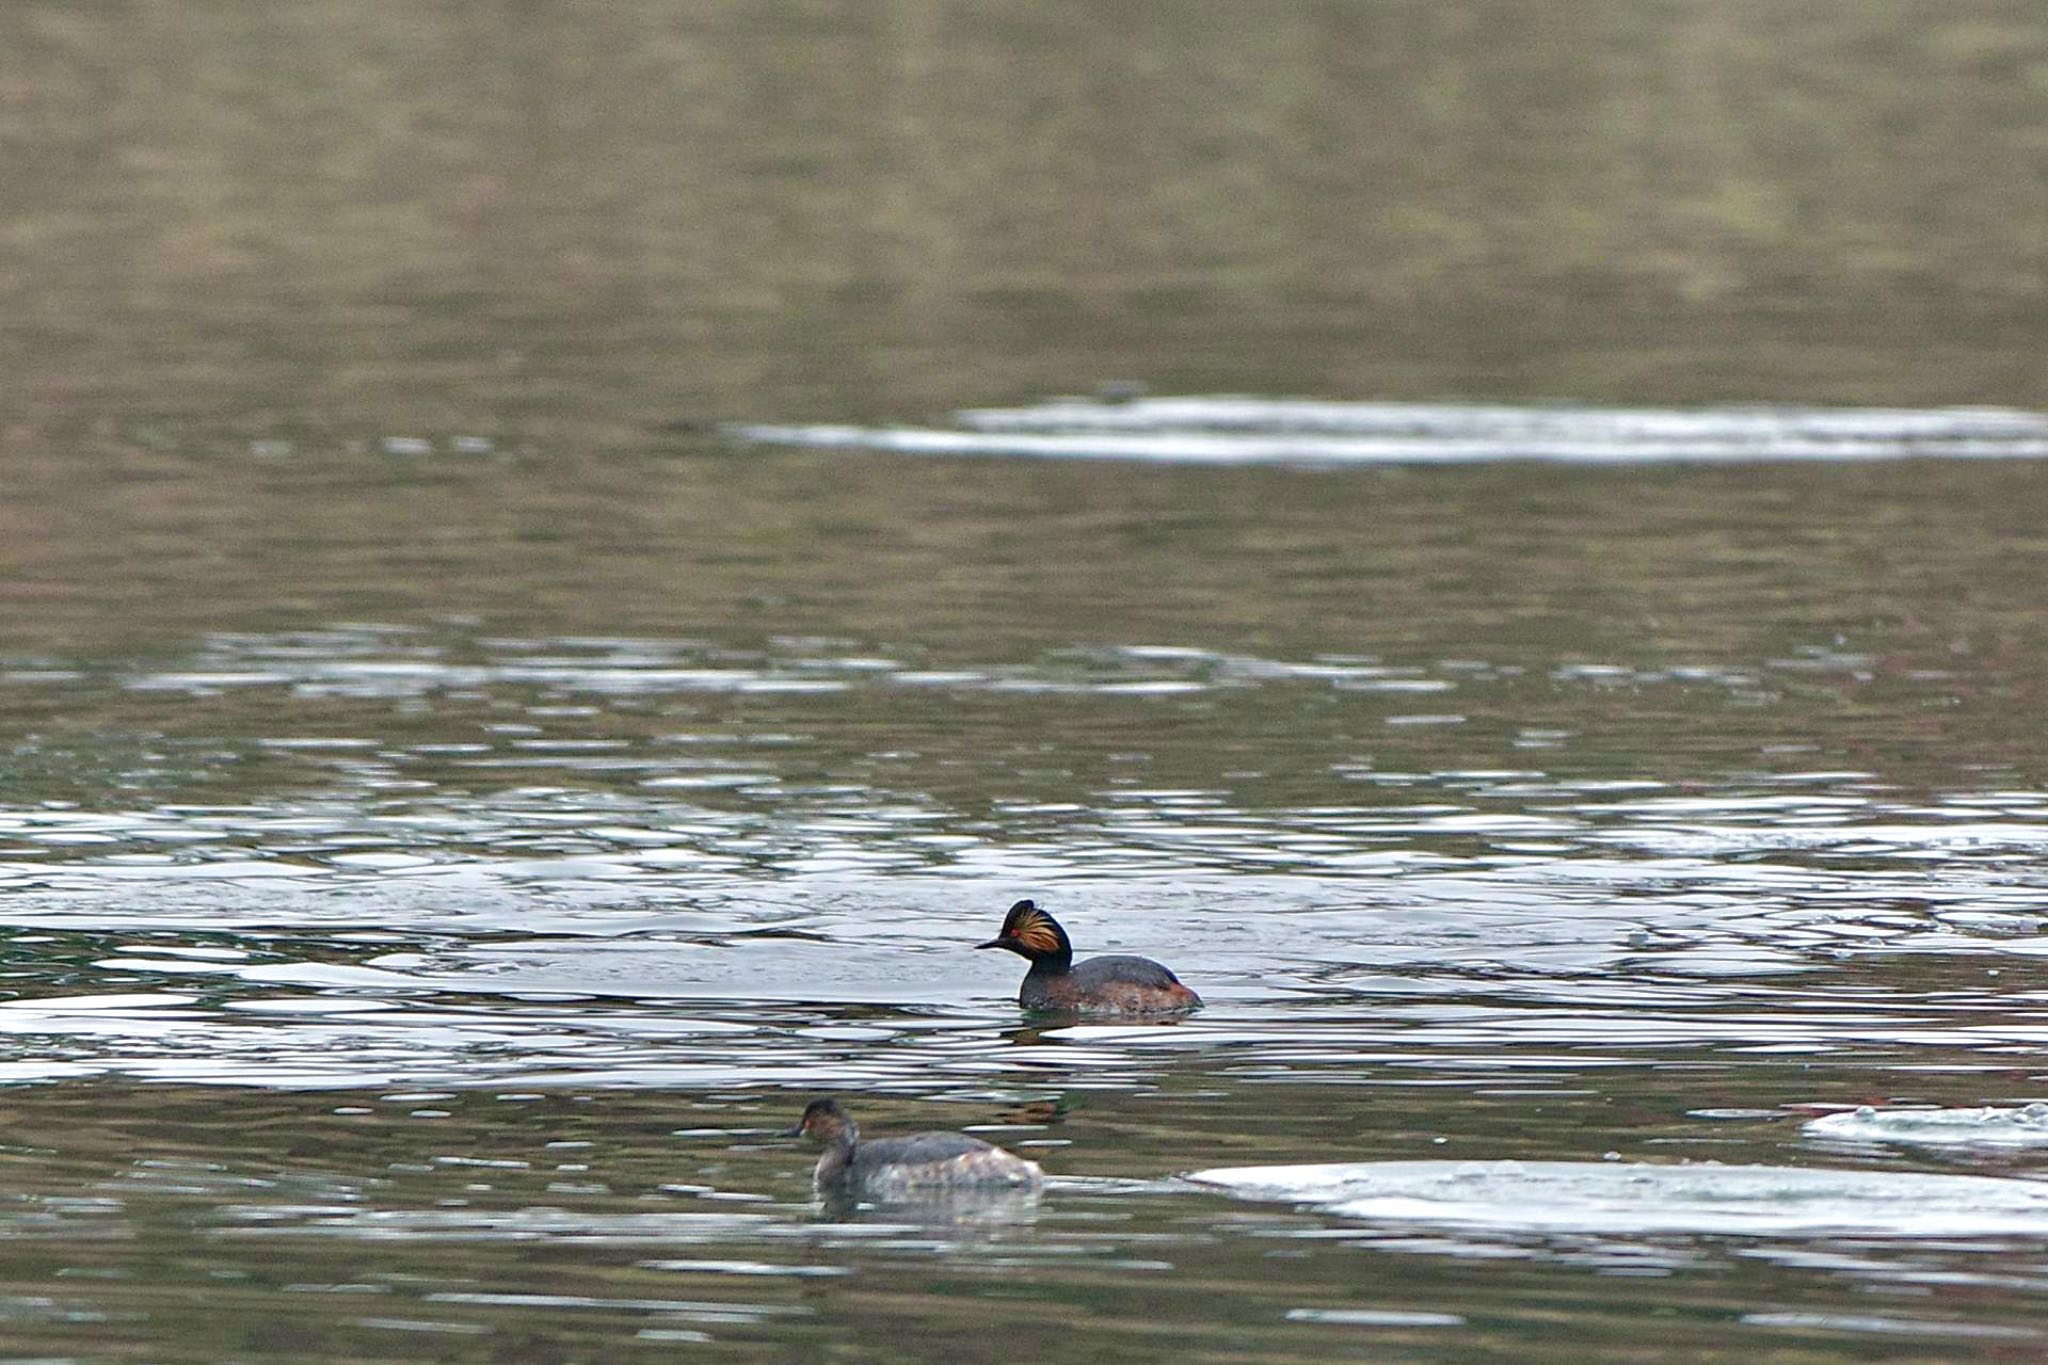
[(1034, 935), (824, 1121)]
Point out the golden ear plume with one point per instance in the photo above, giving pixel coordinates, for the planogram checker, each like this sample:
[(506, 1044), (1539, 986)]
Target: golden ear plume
[(1034, 930)]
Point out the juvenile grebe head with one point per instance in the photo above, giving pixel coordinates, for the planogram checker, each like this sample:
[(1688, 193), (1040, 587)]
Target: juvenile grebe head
[(824, 1121), (1035, 936)]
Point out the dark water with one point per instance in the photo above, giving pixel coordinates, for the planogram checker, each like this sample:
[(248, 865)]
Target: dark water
[(458, 798)]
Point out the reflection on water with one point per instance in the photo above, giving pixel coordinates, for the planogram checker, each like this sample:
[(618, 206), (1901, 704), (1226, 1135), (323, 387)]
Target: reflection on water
[(303, 230), (525, 944), (950, 1211), (388, 1225), (455, 800)]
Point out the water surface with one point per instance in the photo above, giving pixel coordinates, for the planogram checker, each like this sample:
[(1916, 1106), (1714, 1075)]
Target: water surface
[(458, 800)]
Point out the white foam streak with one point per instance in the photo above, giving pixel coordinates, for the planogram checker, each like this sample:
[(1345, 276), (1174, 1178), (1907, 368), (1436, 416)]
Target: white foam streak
[(1989, 1127), (1614, 1198), (1239, 430)]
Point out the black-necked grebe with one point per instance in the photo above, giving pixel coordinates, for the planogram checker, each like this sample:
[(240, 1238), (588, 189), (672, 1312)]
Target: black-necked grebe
[(897, 1167), (1101, 985)]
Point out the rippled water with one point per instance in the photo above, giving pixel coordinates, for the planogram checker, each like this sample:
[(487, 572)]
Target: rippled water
[(508, 686), (508, 955), (435, 989)]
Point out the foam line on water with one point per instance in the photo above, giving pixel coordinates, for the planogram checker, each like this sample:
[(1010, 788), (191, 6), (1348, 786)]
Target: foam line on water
[(1236, 431), (1990, 1126), (1616, 1198), (1762, 422)]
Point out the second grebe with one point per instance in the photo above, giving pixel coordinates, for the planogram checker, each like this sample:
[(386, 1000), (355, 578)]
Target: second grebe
[(893, 1168)]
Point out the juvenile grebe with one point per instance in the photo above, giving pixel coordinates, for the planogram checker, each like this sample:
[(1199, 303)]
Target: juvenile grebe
[(892, 1168), (1101, 985)]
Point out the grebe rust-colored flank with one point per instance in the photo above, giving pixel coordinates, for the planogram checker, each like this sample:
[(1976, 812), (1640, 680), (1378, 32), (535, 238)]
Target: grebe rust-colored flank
[(900, 1167), (1101, 985)]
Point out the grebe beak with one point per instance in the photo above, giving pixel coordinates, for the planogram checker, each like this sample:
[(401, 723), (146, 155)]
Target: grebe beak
[(992, 943), (797, 1131)]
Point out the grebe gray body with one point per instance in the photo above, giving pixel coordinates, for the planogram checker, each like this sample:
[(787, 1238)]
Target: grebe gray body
[(900, 1167)]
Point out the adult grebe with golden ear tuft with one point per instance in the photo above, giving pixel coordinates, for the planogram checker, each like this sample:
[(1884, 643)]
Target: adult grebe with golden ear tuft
[(903, 1167), (1101, 985)]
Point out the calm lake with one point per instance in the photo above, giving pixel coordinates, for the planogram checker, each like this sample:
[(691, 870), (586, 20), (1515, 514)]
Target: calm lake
[(561, 565)]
